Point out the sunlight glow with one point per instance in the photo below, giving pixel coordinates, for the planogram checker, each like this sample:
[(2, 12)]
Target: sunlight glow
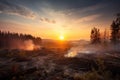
[(61, 37)]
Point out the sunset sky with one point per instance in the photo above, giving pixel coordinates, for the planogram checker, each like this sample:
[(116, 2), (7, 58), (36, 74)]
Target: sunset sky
[(50, 19)]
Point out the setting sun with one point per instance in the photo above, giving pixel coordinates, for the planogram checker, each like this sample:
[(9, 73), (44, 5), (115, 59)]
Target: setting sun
[(61, 37)]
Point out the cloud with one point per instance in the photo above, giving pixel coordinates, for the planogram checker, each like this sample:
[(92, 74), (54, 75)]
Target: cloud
[(82, 11), (14, 9), (47, 20), (88, 18), (92, 8)]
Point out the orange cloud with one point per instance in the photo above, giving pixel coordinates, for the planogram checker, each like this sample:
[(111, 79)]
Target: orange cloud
[(88, 18)]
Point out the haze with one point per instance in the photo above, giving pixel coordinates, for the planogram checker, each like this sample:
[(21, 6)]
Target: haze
[(49, 19)]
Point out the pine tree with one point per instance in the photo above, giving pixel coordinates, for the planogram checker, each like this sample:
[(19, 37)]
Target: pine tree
[(115, 30), (95, 36), (105, 36)]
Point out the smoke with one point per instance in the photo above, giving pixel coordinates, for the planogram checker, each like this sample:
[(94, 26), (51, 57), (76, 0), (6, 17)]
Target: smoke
[(29, 45), (77, 51), (86, 49), (24, 45)]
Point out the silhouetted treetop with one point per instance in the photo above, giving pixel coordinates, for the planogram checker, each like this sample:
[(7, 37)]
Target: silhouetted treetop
[(95, 36), (115, 30), (7, 38)]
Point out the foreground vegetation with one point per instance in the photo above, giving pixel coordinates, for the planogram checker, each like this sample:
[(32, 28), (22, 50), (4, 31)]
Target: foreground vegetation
[(45, 64)]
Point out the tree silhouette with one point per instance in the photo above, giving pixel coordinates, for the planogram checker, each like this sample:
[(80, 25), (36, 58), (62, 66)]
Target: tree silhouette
[(115, 30), (7, 39), (95, 36), (105, 37)]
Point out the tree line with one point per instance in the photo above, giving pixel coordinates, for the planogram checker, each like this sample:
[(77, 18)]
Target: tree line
[(114, 36), (7, 39)]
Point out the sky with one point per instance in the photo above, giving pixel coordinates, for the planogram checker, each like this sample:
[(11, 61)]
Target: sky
[(50, 19)]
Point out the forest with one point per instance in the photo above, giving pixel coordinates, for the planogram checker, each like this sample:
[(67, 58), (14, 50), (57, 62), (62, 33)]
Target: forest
[(113, 37), (10, 40)]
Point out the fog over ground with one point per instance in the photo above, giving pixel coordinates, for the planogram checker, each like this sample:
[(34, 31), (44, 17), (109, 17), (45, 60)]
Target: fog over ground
[(83, 48), (24, 45)]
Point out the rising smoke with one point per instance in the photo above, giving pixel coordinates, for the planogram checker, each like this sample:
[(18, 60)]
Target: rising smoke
[(24, 45), (87, 48)]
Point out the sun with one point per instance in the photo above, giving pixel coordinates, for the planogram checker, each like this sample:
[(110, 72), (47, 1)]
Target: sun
[(61, 37)]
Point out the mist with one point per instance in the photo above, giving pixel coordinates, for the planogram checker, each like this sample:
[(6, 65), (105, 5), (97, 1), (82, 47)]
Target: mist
[(24, 45), (80, 49)]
